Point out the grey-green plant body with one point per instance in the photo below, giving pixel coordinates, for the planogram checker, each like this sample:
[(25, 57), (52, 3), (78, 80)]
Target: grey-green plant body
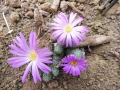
[(55, 71), (58, 49), (76, 51), (47, 77)]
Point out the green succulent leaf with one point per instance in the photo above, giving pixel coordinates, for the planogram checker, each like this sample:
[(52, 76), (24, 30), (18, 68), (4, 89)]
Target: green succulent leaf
[(76, 51), (47, 77), (55, 71), (58, 49)]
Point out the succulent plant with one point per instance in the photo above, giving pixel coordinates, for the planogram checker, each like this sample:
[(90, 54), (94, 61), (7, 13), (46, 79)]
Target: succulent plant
[(55, 71), (76, 51), (57, 57), (47, 77), (58, 49)]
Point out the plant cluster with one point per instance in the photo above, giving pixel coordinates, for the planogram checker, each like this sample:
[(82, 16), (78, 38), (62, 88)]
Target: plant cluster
[(43, 63)]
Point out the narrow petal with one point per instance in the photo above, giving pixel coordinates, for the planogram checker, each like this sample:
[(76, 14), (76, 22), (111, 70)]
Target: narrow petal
[(45, 54), (24, 41), (20, 44), (13, 58), (57, 33), (67, 68), (15, 48), (17, 60), (62, 38), (68, 40), (63, 17), (79, 35), (17, 53), (75, 39), (26, 72), (59, 21), (75, 22), (42, 50), (34, 73), (32, 39), (72, 17), (77, 71), (20, 64), (82, 68), (37, 72), (43, 67), (81, 29)]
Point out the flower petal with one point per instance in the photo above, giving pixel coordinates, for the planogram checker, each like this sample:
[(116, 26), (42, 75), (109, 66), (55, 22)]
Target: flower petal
[(62, 38), (79, 35), (57, 33), (68, 40), (75, 39), (20, 64), (32, 40), (17, 60), (24, 41), (75, 22), (34, 73), (15, 48), (72, 17), (63, 17), (43, 67), (81, 29), (67, 68), (26, 72), (17, 53)]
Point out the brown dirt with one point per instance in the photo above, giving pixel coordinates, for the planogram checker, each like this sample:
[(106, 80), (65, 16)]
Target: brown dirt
[(103, 72)]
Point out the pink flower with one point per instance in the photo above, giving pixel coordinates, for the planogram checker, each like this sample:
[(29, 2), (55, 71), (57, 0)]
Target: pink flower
[(66, 30), (73, 65), (37, 58)]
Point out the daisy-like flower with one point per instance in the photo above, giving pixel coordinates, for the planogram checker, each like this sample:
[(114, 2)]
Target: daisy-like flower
[(66, 30), (37, 58), (73, 65)]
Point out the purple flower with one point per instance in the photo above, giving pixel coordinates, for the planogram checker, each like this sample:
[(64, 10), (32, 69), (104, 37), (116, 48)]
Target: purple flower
[(66, 31), (73, 65), (37, 58)]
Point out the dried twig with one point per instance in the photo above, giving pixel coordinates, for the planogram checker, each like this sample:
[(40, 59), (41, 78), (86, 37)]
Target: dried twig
[(9, 31), (70, 4), (39, 21), (96, 40), (55, 4)]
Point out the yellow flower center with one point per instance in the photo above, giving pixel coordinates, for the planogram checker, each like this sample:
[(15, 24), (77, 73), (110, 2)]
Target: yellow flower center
[(73, 63), (68, 28), (32, 55)]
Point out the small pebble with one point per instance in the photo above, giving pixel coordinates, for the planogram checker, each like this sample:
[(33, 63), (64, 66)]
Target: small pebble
[(29, 1), (15, 3), (29, 14), (25, 5), (40, 1), (63, 6), (66, 87), (64, 83), (34, 1), (14, 17)]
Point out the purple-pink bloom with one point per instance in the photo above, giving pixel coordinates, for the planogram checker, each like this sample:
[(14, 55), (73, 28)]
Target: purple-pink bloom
[(73, 65), (24, 53), (66, 30)]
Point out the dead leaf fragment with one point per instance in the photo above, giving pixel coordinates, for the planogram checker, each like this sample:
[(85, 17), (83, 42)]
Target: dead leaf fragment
[(96, 40)]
